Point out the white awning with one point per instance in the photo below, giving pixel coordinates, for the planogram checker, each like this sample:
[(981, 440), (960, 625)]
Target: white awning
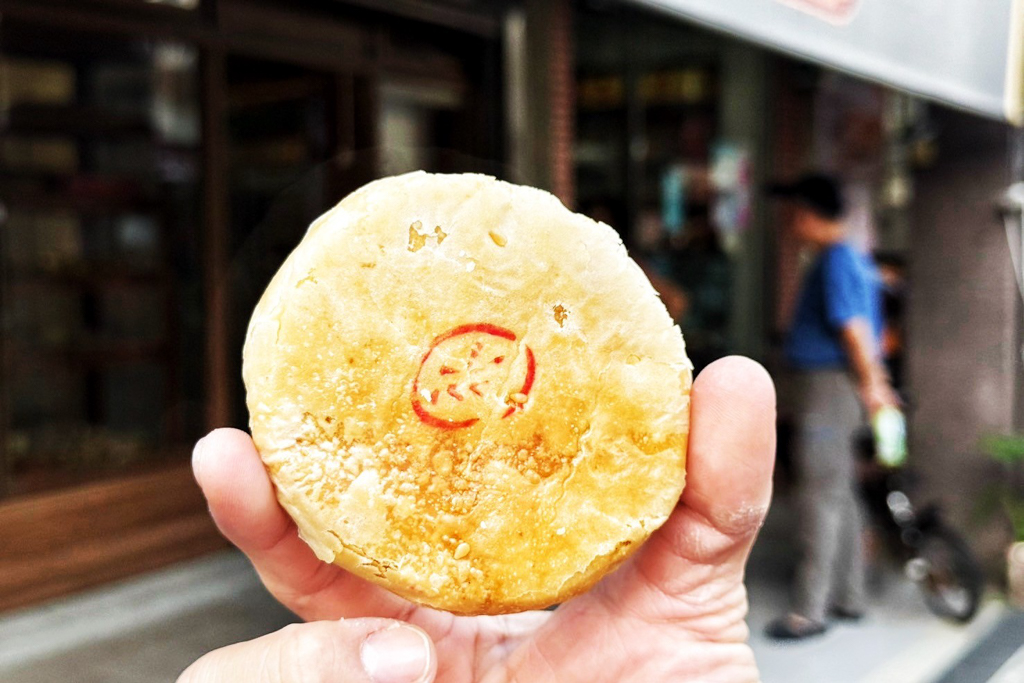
[(964, 52)]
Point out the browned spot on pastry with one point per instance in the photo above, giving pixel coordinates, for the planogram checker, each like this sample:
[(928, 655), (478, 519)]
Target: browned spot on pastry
[(417, 240)]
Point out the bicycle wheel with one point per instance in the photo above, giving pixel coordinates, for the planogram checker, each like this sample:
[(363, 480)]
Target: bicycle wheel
[(948, 575)]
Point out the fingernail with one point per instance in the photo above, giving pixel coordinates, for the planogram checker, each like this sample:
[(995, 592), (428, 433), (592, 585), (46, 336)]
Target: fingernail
[(197, 456), (400, 654)]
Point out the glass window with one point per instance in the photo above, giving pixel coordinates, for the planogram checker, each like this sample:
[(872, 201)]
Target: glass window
[(652, 159), (418, 122), (100, 296)]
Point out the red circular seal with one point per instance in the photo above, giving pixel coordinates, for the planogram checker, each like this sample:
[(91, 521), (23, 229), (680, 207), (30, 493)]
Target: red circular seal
[(472, 372)]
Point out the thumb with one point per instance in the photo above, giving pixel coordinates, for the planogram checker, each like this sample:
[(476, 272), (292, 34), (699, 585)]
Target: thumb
[(703, 548), (347, 651)]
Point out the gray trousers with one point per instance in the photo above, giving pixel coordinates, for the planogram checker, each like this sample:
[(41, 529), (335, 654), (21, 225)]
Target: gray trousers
[(831, 569)]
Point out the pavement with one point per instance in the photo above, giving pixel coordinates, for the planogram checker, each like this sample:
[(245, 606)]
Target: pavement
[(149, 629), (144, 630), (899, 640)]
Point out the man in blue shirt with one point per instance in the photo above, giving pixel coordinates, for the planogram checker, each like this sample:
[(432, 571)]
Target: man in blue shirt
[(833, 354)]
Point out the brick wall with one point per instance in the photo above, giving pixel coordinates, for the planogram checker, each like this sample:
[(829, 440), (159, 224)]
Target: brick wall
[(962, 351)]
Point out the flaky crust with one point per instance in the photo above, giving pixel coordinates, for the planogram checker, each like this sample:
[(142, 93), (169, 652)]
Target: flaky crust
[(468, 394)]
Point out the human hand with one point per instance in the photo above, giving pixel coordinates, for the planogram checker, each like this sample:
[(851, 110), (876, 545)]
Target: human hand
[(877, 393), (674, 612)]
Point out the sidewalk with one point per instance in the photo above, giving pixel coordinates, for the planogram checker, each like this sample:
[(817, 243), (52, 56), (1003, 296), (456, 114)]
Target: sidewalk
[(146, 630), (149, 629), (899, 641)]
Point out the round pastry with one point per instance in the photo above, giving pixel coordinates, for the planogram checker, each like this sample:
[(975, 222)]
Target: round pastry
[(468, 394)]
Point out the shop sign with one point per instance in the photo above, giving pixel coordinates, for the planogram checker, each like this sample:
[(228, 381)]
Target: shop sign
[(964, 52), (833, 11)]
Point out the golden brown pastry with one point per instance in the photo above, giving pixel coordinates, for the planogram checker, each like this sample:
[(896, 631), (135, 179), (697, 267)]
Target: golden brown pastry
[(468, 394)]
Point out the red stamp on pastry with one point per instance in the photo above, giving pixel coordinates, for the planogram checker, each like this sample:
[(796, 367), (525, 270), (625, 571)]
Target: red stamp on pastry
[(473, 372)]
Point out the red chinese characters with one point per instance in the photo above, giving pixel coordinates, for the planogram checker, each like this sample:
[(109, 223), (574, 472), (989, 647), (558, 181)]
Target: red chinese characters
[(470, 373)]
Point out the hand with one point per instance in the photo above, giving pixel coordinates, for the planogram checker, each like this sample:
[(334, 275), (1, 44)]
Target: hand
[(878, 393), (674, 612)]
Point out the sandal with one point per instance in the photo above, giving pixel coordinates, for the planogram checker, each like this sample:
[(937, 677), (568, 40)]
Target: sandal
[(844, 614), (794, 627)]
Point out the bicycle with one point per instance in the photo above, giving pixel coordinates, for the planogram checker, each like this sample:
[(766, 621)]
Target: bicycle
[(934, 555)]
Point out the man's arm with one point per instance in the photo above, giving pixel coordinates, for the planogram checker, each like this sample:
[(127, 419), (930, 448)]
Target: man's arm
[(875, 389)]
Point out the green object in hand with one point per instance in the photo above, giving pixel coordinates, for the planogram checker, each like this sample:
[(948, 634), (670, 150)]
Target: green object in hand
[(890, 430)]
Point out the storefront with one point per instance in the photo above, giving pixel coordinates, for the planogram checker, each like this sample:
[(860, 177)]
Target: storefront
[(159, 160), (685, 109), (670, 148)]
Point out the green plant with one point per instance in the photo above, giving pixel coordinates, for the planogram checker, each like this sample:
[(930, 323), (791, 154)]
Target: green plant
[(1007, 496), (1006, 448)]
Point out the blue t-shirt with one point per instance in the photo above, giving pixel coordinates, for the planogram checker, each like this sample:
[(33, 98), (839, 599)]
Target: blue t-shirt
[(841, 285)]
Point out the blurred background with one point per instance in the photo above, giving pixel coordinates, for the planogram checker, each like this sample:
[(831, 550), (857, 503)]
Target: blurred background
[(160, 158)]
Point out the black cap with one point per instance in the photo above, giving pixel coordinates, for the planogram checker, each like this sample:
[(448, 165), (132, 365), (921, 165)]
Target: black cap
[(816, 191)]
